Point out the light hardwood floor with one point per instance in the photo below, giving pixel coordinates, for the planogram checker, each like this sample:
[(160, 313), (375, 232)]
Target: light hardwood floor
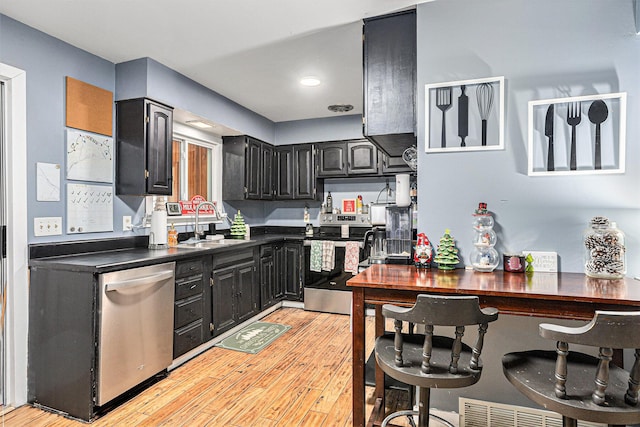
[(301, 379)]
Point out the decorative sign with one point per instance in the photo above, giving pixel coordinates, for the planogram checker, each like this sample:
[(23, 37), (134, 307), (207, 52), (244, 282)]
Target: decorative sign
[(348, 205), (189, 206)]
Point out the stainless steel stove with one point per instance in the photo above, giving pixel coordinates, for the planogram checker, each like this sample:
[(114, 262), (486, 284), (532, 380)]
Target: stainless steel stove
[(327, 291)]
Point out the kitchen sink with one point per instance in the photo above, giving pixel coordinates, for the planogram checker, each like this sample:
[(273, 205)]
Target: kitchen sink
[(194, 244)]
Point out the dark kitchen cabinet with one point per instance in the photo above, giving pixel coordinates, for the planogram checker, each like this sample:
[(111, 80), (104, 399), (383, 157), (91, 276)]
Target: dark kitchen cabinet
[(389, 78), (247, 169), (362, 158), (267, 277), (235, 295), (347, 158), (144, 134), (332, 159), (392, 165), (288, 265), (295, 173), (191, 310)]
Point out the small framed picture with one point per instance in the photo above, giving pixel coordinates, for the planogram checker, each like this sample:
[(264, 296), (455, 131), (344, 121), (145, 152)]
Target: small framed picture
[(348, 205), (579, 135), (464, 115), (173, 209)]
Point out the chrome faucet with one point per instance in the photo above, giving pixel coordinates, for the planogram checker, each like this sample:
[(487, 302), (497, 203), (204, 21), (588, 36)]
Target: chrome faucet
[(197, 232)]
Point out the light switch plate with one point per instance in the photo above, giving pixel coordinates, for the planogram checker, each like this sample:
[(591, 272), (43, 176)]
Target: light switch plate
[(126, 223), (47, 226), (543, 262)]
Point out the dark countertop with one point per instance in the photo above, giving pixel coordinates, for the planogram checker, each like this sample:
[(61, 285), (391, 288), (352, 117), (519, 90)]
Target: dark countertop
[(124, 258)]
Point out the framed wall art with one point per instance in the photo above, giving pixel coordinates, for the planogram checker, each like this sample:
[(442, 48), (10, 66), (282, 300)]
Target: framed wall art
[(464, 115), (579, 135)]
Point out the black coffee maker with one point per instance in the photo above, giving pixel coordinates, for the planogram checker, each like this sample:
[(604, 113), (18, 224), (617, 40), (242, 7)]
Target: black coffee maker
[(375, 245)]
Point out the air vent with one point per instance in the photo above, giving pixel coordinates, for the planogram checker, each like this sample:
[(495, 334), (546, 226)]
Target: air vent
[(340, 108), (480, 413)]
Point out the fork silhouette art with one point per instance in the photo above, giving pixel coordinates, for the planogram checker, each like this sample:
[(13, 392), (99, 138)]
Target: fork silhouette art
[(574, 116), (443, 102)]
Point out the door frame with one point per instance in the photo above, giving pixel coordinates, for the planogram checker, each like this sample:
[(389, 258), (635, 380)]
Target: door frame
[(17, 308)]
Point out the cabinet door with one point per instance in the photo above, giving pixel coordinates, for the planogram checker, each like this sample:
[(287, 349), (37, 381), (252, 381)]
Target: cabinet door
[(280, 260), (392, 165), (266, 185), (223, 299), (332, 159), (247, 291), (267, 272), (304, 175), (292, 271), (253, 169), (363, 158), (284, 169), (159, 149), (389, 49)]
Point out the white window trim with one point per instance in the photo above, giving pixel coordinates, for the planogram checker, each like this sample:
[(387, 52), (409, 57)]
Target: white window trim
[(194, 136)]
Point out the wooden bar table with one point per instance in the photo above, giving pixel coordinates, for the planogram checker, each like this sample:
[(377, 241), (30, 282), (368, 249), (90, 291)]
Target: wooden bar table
[(556, 295)]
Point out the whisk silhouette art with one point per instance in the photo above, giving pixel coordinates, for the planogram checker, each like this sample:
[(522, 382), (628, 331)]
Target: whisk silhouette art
[(484, 96)]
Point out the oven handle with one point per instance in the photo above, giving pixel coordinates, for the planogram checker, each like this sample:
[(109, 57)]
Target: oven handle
[(337, 244)]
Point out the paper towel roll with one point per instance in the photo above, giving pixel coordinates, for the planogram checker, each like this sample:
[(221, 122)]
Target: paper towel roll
[(158, 234), (403, 197)]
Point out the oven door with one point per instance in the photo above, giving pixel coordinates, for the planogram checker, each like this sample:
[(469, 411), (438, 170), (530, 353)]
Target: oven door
[(327, 291)]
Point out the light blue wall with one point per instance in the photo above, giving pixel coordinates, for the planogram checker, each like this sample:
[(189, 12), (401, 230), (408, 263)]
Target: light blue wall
[(318, 130), (542, 47), (148, 78)]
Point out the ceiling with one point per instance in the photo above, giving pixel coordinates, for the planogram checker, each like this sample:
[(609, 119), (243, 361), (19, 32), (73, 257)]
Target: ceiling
[(253, 52)]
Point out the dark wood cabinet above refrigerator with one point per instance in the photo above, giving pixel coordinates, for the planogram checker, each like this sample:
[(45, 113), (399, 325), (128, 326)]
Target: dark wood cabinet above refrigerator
[(389, 76)]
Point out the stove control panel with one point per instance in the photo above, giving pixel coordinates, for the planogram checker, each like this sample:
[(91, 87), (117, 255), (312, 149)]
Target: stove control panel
[(355, 220)]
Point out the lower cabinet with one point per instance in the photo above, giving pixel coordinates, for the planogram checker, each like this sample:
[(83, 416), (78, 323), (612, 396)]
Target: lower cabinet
[(235, 290), (190, 308), (288, 270), (267, 277)]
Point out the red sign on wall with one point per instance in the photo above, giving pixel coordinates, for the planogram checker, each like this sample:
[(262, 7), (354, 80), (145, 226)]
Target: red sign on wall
[(189, 206)]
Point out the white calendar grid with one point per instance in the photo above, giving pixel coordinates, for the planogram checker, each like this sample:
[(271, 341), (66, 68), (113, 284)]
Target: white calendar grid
[(89, 208)]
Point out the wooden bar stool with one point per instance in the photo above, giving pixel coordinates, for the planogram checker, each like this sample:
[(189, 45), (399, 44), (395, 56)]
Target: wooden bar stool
[(576, 385), (427, 361)]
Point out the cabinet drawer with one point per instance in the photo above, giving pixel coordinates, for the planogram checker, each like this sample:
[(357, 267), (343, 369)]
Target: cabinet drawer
[(266, 251), (188, 310), (187, 287), (232, 258), (188, 268), (188, 338)]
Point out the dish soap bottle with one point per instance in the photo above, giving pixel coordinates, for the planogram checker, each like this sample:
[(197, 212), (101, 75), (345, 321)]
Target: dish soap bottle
[(172, 238)]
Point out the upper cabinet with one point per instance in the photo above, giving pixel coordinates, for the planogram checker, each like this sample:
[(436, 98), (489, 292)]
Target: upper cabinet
[(295, 173), (247, 169), (389, 74), (347, 158), (144, 131)]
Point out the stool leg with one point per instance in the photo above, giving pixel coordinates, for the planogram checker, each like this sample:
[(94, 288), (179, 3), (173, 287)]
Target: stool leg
[(423, 407), (569, 422)]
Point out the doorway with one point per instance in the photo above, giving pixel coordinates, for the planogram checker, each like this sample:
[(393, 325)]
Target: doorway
[(3, 243)]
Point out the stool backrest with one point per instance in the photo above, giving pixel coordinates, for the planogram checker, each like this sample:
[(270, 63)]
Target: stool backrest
[(607, 330), (442, 310)]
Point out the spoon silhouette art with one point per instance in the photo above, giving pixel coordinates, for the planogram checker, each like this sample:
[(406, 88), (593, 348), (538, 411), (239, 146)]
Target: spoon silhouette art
[(598, 113)]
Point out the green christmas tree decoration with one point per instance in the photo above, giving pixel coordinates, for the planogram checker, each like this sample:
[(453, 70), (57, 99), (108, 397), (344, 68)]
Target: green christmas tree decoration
[(447, 257), (238, 227)]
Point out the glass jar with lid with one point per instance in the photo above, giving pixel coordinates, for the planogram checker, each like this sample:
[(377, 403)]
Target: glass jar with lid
[(604, 250)]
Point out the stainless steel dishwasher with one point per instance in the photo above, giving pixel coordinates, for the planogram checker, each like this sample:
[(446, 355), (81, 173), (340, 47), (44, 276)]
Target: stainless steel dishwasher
[(135, 339)]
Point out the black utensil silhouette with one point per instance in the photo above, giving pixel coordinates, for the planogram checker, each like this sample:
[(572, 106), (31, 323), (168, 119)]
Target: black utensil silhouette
[(443, 102), (574, 117), (598, 113), (463, 116)]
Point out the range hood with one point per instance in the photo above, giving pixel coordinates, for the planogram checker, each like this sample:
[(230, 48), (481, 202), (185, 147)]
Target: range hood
[(393, 145)]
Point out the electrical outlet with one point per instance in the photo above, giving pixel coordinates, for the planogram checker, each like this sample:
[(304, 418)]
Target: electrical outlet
[(126, 223), (47, 226)]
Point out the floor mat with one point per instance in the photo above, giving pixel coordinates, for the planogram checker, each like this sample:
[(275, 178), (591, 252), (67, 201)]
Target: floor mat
[(253, 338)]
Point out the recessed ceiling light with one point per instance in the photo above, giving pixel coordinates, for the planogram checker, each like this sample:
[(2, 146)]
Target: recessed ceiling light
[(340, 108), (199, 124), (310, 81)]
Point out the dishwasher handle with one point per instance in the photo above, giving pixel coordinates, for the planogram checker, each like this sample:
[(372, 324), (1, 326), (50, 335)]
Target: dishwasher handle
[(141, 281)]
